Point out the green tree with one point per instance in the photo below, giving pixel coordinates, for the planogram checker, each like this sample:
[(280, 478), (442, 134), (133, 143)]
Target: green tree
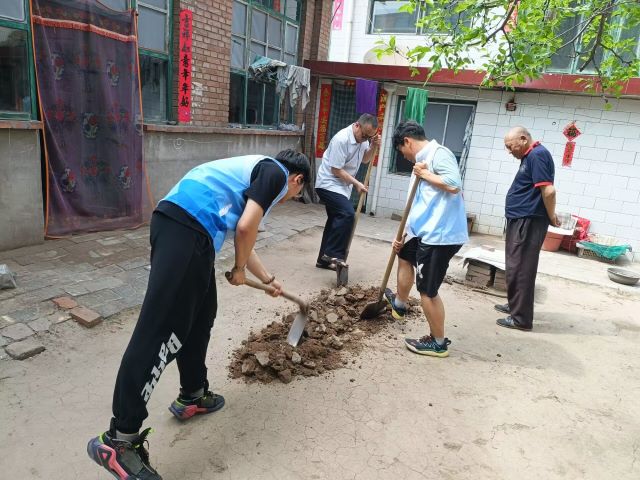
[(520, 40)]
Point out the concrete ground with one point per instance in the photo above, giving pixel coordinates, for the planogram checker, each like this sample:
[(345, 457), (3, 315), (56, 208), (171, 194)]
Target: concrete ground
[(560, 402)]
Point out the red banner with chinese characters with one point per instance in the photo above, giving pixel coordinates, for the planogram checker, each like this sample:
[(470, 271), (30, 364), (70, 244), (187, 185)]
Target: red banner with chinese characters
[(567, 157), (338, 11), (382, 105), (323, 119), (184, 76)]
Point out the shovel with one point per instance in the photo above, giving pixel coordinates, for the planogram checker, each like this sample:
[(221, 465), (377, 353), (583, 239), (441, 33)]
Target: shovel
[(372, 310), (297, 327), (342, 269)]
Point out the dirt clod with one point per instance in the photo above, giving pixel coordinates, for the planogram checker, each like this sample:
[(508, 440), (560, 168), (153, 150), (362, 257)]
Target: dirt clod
[(333, 332), (262, 358)]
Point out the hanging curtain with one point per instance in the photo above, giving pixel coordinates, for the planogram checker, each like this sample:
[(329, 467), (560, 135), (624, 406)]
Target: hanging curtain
[(88, 86), (416, 104)]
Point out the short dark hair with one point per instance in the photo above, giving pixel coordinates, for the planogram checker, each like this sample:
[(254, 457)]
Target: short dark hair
[(368, 119), (295, 162), (406, 129)]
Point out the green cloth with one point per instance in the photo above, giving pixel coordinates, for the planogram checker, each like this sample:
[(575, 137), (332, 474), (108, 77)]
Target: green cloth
[(610, 252), (416, 104)]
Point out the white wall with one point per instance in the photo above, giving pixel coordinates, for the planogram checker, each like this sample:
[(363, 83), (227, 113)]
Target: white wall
[(352, 42), (603, 183)]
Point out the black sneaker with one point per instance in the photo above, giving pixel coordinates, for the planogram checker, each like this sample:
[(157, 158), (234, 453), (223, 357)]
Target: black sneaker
[(510, 322), (122, 459), (184, 408), (326, 262), (396, 312), (427, 345), (503, 308)]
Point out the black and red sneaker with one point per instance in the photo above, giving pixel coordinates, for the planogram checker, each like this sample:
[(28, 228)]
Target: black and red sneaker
[(185, 407), (122, 459)]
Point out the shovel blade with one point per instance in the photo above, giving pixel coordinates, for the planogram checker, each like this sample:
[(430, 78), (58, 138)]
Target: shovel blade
[(342, 273), (297, 329), (373, 310)]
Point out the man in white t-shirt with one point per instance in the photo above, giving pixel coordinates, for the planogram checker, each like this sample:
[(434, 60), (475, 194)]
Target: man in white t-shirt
[(350, 147), (436, 229)]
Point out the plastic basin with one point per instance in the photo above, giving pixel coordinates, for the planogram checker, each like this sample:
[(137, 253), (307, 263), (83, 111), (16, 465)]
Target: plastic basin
[(623, 276)]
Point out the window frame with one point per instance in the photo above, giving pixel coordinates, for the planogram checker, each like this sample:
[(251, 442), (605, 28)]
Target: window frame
[(393, 166), (285, 20), (168, 57), (24, 25), (418, 31), (575, 62)]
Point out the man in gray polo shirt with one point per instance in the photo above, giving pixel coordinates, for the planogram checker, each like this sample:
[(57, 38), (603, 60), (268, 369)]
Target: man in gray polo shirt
[(350, 147)]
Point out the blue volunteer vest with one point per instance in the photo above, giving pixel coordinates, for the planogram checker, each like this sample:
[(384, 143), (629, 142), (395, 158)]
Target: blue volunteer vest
[(213, 193), (436, 216)]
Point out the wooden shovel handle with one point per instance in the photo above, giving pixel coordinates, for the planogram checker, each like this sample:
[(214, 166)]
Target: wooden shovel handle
[(360, 202), (403, 222), (269, 289)]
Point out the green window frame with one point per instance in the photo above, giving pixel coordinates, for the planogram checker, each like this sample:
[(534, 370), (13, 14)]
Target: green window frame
[(23, 97), (155, 51), (267, 28)]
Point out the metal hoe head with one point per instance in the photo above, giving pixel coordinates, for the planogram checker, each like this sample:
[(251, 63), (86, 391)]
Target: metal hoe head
[(297, 328), (373, 310), (342, 274)]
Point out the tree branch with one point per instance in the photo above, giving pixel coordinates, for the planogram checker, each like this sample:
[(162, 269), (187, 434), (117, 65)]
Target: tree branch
[(598, 40)]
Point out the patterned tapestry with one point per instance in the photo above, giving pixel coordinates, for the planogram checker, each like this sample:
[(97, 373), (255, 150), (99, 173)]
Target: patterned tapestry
[(87, 71)]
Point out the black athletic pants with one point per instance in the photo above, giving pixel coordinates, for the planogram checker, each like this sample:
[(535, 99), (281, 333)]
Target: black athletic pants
[(523, 243), (175, 320), (340, 218)]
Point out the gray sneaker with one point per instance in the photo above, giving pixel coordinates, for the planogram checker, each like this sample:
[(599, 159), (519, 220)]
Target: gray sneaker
[(503, 308)]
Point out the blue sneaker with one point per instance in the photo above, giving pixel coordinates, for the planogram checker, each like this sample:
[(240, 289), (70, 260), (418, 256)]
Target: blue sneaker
[(427, 345), (396, 312)]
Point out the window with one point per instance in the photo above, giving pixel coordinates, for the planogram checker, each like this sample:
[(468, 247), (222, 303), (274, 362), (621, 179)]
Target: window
[(390, 17), (17, 85), (566, 59), (154, 40), (260, 28), (445, 122)]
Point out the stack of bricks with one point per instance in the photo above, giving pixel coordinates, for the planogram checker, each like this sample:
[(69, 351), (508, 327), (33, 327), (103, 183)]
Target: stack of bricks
[(479, 274), (500, 281)]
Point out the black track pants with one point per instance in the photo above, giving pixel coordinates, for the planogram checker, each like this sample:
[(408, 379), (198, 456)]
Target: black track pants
[(175, 320)]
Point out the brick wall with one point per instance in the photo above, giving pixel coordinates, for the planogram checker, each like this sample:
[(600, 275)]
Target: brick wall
[(315, 46), (211, 59)]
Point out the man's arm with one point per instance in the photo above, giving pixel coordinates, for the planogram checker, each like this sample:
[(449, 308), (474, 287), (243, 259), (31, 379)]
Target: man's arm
[(245, 239), (421, 171), (548, 193), (374, 143), (345, 177)]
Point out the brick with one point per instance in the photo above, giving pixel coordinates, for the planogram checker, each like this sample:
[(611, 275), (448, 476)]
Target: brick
[(5, 321), (16, 332), (24, 349), (40, 325), (66, 303), (85, 317)]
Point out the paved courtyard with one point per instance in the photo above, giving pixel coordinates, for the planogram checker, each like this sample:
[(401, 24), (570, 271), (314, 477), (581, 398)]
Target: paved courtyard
[(107, 272), (558, 403)]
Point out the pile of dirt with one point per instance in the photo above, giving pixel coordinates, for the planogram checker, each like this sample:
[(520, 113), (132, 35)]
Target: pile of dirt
[(333, 332)]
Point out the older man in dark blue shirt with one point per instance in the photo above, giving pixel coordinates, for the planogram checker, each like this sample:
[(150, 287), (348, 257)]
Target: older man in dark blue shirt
[(530, 208)]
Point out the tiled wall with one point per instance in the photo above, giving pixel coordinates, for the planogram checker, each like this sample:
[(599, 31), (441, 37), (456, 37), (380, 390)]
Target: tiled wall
[(603, 183)]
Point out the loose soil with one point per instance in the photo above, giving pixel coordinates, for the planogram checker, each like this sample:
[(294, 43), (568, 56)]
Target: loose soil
[(333, 333)]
